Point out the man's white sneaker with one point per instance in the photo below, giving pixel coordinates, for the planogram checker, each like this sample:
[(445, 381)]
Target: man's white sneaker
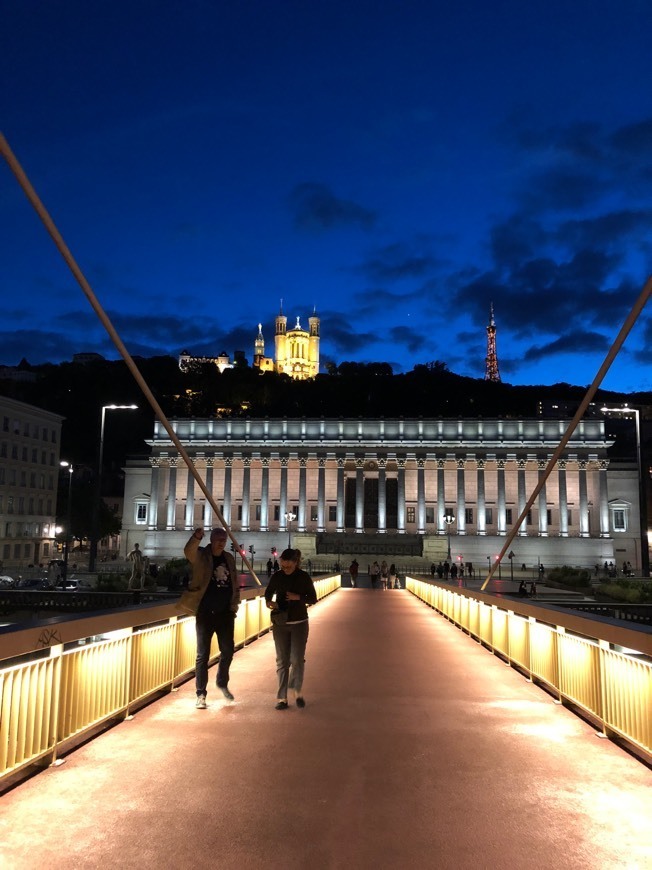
[(201, 702)]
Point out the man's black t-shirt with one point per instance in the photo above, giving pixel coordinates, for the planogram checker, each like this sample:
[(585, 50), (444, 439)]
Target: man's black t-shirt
[(218, 594)]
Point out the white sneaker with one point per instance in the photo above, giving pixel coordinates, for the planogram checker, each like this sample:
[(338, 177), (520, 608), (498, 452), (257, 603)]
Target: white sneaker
[(201, 702)]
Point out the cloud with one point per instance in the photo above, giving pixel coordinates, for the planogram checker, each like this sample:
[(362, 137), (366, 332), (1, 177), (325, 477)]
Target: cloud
[(315, 207), (573, 343), (398, 262)]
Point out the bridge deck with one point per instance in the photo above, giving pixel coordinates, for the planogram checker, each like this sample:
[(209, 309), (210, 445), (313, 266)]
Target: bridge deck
[(417, 748)]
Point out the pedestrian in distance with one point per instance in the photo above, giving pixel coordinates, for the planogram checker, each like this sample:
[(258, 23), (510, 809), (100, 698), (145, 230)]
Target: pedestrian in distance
[(384, 574), (353, 572), (374, 574), (288, 594), (214, 585)]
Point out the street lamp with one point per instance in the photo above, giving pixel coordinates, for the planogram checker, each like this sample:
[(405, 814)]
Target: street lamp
[(289, 516), (642, 492), (98, 483), (67, 465), (449, 519)]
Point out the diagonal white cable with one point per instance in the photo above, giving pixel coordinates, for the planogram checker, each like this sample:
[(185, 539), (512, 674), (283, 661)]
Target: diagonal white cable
[(604, 368), (34, 199)]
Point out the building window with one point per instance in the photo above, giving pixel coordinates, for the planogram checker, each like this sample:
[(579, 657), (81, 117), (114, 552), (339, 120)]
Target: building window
[(16, 551), (508, 516), (549, 517), (257, 512), (468, 516), (332, 513), (430, 516), (489, 516), (313, 513), (10, 504), (410, 515), (240, 512), (141, 513), (23, 454), (528, 520), (277, 513)]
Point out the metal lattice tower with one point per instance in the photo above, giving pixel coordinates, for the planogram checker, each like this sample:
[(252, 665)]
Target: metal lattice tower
[(491, 372)]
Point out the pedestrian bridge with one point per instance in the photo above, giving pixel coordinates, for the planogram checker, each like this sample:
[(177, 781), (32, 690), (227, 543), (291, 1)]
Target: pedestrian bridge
[(420, 745)]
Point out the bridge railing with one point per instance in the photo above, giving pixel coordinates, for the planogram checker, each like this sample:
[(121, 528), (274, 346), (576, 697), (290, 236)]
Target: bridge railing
[(596, 665), (62, 678)]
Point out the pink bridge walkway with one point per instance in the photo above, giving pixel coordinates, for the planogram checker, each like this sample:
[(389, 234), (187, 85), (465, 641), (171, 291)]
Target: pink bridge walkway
[(417, 749)]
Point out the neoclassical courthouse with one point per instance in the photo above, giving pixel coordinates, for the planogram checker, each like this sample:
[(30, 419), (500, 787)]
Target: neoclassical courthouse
[(383, 487), (352, 487)]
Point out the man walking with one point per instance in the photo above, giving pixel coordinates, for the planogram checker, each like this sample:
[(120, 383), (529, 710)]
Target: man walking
[(214, 576)]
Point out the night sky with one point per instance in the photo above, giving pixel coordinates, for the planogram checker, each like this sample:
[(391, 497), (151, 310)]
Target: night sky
[(397, 166)]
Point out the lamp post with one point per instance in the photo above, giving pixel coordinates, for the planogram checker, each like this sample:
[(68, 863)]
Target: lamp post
[(98, 483), (510, 556), (642, 492), (289, 516), (67, 465), (449, 519)]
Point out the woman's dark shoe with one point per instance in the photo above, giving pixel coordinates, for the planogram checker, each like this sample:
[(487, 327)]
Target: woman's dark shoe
[(301, 702), (281, 705)]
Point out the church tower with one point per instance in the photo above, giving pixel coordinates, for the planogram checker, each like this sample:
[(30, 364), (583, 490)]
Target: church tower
[(313, 344), (259, 346), (280, 340), (491, 363)]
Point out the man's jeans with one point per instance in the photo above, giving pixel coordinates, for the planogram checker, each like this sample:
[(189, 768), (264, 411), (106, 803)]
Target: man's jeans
[(206, 625), (290, 641)]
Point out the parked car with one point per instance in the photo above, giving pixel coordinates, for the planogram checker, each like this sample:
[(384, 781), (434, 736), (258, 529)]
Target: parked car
[(33, 583), (6, 582), (73, 585)]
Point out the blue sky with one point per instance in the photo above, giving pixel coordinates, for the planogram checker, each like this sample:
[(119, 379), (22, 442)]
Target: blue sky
[(397, 166)]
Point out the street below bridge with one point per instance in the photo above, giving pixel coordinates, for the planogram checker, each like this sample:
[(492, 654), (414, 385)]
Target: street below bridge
[(417, 748)]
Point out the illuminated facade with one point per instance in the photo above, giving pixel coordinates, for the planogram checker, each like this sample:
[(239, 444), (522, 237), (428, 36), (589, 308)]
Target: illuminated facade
[(29, 476), (383, 486), (296, 350)]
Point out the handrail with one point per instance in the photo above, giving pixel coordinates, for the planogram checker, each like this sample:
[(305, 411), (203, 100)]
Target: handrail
[(62, 677), (594, 664)]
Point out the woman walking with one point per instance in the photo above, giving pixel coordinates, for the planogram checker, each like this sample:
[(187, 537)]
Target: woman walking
[(288, 593)]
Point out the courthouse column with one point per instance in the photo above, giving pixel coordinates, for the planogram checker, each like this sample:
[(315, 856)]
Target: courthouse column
[(401, 495), (264, 493), (382, 496), (563, 499), (461, 498), (604, 499), (283, 495), (340, 493), (228, 469), (359, 495), (246, 493), (481, 519), (190, 500), (301, 519), (321, 495), (500, 496), (543, 502), (584, 501), (441, 497), (208, 510), (522, 499), (154, 486), (172, 496), (421, 496)]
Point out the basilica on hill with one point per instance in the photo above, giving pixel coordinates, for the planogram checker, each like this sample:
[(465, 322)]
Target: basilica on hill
[(296, 350)]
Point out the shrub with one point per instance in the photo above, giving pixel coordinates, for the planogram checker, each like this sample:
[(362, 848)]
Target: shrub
[(567, 576), (626, 592), (174, 574)]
